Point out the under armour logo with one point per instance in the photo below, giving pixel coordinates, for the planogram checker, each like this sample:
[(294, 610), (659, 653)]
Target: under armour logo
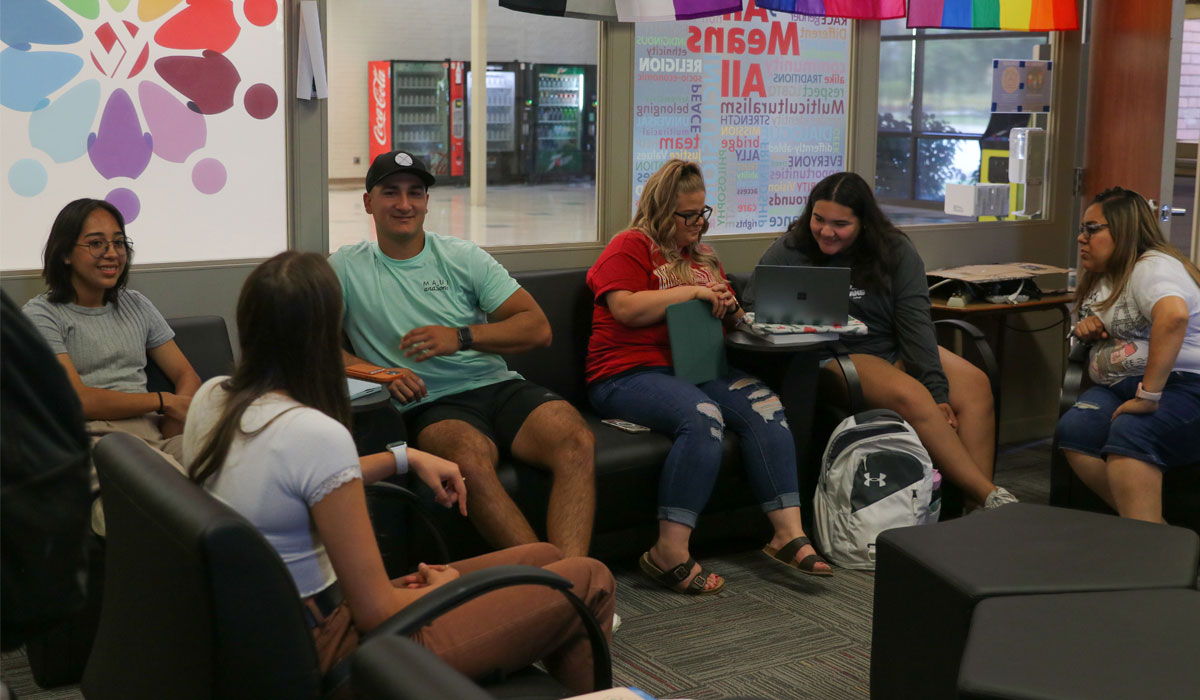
[(879, 481)]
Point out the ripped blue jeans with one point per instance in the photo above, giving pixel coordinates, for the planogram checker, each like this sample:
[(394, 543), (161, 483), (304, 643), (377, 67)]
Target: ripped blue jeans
[(697, 417)]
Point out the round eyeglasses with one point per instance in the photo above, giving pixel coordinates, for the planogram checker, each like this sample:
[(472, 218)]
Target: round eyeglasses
[(99, 248), (1089, 230)]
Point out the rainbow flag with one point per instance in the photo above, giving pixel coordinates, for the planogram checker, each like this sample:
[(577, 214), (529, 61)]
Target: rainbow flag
[(626, 10), (851, 9), (1009, 15)]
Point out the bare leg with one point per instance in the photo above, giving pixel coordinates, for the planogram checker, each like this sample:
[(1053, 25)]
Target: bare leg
[(788, 527), (887, 386), (1093, 472), (1136, 488), (973, 404), (491, 510), (671, 550), (554, 437)]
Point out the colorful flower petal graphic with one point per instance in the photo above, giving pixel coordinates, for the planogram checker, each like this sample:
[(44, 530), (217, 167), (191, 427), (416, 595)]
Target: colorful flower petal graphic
[(209, 176), (204, 24), (260, 13), (36, 22), (89, 9), (28, 77), (61, 129), (208, 81), (27, 177), (126, 201), (119, 148), (260, 101), (150, 10), (178, 131), (118, 5)]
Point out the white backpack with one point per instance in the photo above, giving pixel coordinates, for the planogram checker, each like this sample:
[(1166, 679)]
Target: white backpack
[(875, 475)]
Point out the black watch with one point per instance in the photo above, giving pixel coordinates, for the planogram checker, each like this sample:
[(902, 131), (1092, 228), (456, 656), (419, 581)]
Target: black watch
[(465, 339)]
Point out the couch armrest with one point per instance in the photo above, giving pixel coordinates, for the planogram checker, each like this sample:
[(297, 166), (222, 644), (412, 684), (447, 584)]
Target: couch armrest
[(1073, 377), (470, 586)]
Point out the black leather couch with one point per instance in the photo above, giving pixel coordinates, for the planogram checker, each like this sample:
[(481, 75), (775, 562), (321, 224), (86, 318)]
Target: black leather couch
[(627, 465)]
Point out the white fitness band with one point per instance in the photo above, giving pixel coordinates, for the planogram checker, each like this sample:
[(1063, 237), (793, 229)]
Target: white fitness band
[(1154, 396), (399, 450)]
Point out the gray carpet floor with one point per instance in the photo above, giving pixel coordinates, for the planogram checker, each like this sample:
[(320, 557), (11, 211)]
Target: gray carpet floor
[(771, 633)]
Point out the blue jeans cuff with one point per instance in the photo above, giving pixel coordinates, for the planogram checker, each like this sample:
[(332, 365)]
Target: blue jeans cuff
[(790, 499), (678, 515)]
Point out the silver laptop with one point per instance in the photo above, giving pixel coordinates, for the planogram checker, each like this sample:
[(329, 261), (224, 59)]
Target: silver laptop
[(817, 296)]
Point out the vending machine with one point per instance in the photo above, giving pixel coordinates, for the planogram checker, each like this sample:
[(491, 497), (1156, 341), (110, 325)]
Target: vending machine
[(563, 136), (505, 117), (420, 107)]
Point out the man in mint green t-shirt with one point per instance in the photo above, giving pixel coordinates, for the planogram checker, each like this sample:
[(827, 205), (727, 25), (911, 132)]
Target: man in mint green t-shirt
[(417, 304)]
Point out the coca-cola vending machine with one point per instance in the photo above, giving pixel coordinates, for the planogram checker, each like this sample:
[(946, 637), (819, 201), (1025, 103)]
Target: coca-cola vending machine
[(419, 107)]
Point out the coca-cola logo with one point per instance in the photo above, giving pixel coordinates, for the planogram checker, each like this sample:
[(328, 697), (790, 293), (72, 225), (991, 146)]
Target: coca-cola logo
[(379, 98)]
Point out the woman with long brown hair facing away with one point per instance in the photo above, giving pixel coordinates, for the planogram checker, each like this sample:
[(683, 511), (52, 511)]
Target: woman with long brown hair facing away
[(271, 441), (1139, 306), (657, 262)]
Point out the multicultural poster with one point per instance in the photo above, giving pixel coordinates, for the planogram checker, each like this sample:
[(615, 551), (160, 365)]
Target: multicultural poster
[(758, 98), (170, 110)]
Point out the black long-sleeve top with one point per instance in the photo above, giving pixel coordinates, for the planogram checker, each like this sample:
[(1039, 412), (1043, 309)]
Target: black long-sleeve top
[(896, 319)]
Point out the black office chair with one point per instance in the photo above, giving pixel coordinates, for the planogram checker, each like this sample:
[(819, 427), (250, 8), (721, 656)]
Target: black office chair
[(204, 341), (199, 605), (1181, 486)]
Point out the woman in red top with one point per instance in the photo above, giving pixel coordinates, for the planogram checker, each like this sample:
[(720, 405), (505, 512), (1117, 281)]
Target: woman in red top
[(658, 262)]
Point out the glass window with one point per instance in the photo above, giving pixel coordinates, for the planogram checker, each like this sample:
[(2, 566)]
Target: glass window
[(934, 118), (403, 85)]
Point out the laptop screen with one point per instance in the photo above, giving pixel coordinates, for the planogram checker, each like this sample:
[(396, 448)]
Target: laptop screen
[(796, 295)]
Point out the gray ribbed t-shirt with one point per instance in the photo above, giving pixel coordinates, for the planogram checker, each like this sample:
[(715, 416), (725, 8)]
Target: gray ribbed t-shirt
[(108, 344)]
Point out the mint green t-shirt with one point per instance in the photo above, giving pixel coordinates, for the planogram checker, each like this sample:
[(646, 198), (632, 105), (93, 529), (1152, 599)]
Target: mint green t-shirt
[(451, 282)]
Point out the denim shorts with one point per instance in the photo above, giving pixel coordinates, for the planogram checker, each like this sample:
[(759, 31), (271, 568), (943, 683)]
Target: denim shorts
[(1166, 438)]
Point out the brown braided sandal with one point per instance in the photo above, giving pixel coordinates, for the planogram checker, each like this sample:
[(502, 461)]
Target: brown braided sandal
[(786, 555)]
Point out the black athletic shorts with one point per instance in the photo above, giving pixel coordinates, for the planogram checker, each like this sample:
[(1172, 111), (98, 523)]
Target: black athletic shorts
[(496, 410)]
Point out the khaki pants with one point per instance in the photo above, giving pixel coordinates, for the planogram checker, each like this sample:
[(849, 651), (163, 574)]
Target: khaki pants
[(146, 429), (507, 629)]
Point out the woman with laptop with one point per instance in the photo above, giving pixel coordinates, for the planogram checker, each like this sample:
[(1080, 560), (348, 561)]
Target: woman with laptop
[(271, 442), (1139, 307), (659, 261), (946, 399)]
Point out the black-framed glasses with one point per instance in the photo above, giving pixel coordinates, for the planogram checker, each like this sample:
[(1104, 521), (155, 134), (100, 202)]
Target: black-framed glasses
[(1089, 230), (99, 247), (693, 219)]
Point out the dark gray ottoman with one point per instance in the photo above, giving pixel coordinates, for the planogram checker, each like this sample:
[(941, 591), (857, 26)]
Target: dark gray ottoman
[(929, 578), (1084, 646)]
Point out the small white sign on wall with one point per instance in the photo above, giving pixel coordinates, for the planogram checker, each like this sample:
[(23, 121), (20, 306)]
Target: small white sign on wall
[(1021, 86)]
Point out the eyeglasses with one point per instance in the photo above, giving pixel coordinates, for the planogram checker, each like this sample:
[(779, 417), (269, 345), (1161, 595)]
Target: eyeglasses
[(693, 219), (99, 248), (1089, 230)]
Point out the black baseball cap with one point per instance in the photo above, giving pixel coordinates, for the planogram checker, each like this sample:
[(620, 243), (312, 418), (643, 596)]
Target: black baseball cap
[(397, 162)]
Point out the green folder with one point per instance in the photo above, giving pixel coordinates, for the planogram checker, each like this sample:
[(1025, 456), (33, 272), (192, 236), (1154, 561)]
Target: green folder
[(697, 342)]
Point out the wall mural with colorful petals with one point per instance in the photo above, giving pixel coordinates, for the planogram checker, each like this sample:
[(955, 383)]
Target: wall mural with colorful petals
[(169, 109)]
